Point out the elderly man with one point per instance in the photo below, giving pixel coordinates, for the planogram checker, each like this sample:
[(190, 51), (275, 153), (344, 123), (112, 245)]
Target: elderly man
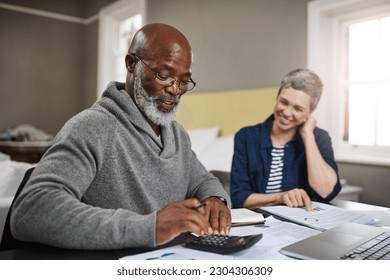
[(122, 173)]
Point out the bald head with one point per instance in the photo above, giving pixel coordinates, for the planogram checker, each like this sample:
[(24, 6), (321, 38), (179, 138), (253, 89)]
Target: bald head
[(159, 38)]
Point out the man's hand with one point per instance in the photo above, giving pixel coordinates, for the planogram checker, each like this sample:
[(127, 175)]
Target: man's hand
[(218, 214), (179, 217), (296, 198)]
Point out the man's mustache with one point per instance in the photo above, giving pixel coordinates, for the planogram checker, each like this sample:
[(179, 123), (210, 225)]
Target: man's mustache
[(168, 98)]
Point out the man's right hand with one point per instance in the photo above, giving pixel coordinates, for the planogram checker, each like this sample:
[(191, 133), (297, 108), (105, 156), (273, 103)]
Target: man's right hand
[(179, 217)]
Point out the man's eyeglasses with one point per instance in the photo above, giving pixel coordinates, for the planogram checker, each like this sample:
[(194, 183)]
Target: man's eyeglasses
[(167, 81)]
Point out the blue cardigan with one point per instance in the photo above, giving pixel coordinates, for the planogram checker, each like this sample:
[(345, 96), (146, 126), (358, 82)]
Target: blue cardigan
[(252, 162)]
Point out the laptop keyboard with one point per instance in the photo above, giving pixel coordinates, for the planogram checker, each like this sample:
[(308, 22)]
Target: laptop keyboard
[(375, 249)]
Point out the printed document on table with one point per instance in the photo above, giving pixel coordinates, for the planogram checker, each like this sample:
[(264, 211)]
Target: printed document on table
[(177, 252), (322, 217)]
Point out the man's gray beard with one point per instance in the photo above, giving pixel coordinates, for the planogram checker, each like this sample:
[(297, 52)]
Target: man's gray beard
[(148, 106)]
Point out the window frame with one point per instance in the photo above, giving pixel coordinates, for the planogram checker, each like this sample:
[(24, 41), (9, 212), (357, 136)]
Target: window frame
[(109, 18), (326, 23)]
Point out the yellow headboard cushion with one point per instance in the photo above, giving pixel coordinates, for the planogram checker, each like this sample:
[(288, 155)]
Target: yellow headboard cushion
[(230, 110)]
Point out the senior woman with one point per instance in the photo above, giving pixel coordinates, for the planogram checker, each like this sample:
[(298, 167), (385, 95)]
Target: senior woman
[(286, 160)]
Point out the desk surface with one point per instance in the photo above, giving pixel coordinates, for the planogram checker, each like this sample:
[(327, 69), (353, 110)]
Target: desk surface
[(41, 252)]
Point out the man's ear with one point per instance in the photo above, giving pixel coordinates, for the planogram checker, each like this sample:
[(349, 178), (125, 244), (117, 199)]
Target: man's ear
[(130, 62)]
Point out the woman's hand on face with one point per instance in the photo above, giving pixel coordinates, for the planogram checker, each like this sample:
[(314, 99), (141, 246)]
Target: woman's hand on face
[(308, 126)]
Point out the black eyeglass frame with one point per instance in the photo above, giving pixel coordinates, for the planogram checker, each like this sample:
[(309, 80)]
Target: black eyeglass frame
[(163, 80)]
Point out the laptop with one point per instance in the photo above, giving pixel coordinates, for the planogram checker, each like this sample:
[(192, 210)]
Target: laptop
[(347, 241)]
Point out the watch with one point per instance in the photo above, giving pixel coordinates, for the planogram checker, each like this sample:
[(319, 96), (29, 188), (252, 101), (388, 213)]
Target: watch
[(221, 199)]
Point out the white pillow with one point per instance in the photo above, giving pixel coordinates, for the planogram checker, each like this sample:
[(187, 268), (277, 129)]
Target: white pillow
[(201, 138), (219, 154)]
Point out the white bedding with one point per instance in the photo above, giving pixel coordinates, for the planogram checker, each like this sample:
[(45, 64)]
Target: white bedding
[(214, 152), (11, 174)]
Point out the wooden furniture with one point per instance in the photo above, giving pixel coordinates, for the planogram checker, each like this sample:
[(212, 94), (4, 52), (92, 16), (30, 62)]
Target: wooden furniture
[(30, 152)]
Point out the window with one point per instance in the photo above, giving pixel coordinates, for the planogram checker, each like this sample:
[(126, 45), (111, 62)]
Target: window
[(348, 43), (126, 31), (368, 83), (118, 23)]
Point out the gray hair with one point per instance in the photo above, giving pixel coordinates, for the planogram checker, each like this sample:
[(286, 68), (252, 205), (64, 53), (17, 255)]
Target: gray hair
[(306, 81)]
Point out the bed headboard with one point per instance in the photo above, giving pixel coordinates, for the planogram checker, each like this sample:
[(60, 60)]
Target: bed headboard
[(229, 110)]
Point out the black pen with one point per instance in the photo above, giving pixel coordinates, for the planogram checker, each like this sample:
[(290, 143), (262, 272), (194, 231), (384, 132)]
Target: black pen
[(203, 204)]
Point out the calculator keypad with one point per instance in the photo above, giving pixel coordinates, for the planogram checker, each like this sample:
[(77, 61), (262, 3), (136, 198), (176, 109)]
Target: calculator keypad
[(213, 240), (222, 244)]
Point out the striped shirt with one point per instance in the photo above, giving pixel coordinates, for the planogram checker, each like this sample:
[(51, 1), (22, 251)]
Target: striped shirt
[(275, 178)]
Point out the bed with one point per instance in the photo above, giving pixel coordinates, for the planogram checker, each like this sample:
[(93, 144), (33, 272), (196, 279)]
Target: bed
[(11, 174)]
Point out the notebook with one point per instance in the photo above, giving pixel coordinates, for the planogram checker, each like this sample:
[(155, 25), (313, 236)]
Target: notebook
[(244, 217), (346, 241)]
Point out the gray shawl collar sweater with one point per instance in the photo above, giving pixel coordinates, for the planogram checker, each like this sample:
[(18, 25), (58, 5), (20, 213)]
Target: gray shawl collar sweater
[(101, 183)]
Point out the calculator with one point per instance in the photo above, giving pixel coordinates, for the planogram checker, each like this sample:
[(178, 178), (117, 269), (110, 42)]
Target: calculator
[(222, 244)]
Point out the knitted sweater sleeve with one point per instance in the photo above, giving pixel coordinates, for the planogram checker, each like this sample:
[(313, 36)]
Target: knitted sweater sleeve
[(50, 209)]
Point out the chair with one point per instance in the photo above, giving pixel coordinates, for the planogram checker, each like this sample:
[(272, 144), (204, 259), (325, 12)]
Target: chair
[(224, 178), (7, 241)]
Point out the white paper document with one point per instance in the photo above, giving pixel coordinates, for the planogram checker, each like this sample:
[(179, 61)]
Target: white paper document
[(322, 217), (178, 252), (276, 234)]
